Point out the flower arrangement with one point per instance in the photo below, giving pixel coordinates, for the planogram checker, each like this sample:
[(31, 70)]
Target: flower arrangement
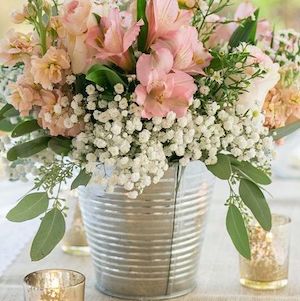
[(134, 88)]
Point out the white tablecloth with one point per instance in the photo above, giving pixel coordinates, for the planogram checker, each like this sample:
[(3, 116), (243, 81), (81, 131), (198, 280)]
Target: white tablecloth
[(218, 278)]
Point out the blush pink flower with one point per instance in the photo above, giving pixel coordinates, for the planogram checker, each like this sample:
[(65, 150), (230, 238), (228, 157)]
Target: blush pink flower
[(112, 41), (76, 14), (160, 91), (54, 122), (49, 69), (259, 86), (165, 17), (16, 48), (24, 95), (189, 54)]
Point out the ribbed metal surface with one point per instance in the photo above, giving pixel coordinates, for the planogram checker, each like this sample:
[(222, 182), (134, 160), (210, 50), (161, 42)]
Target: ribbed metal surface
[(149, 248)]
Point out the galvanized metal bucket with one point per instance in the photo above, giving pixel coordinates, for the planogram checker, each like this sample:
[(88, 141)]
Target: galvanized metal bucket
[(149, 248)]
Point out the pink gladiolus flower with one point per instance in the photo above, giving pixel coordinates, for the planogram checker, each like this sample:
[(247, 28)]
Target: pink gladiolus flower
[(160, 91), (49, 69), (189, 54), (165, 17), (112, 41)]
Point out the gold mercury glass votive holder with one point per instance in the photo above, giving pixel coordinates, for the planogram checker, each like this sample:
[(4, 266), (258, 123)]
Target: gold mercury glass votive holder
[(54, 285), (269, 264)]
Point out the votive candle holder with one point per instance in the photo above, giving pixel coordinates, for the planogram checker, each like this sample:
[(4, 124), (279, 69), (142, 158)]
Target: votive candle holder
[(54, 285), (269, 264)]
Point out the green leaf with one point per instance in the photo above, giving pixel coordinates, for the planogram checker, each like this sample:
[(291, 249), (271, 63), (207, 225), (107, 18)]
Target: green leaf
[(285, 131), (30, 207), (82, 179), (50, 233), (104, 76), (28, 149), (237, 231), (247, 170), (246, 32), (255, 200), (60, 145), (4, 109), (6, 126), (141, 15), (12, 112), (25, 127), (222, 169)]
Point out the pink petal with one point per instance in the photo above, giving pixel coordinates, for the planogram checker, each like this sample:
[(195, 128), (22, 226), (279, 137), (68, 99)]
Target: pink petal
[(132, 34), (244, 10), (154, 66)]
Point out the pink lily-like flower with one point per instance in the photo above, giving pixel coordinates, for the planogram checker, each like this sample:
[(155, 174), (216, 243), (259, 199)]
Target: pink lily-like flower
[(164, 16), (190, 56), (112, 41), (160, 91)]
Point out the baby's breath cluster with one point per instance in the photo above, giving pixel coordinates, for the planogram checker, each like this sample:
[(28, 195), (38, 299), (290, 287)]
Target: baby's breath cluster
[(121, 148)]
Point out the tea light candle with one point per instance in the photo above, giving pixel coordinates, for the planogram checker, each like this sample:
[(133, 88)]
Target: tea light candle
[(54, 285), (268, 267)]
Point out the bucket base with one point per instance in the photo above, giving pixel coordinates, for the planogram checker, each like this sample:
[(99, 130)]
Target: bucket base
[(149, 298)]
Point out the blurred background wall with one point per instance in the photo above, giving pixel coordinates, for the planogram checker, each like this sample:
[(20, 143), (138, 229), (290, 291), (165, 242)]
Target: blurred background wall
[(283, 13)]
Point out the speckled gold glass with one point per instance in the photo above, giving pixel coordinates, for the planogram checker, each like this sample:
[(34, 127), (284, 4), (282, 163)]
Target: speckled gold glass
[(269, 264), (54, 285)]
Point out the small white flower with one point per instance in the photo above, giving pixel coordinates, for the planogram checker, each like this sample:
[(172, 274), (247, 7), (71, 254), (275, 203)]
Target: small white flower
[(70, 79), (68, 123), (90, 90), (119, 88), (48, 117), (64, 101), (57, 109), (91, 106), (204, 90)]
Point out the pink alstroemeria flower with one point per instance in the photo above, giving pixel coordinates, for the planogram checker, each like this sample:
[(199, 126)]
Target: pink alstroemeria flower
[(112, 41), (164, 16), (190, 56), (160, 91)]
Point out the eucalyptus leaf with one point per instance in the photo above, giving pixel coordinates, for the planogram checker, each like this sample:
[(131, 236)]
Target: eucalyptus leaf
[(141, 15), (4, 109), (50, 233), (237, 231), (247, 170), (222, 169), (28, 149), (25, 127), (12, 112), (60, 145), (104, 76), (81, 180), (255, 200), (6, 125), (282, 132), (246, 32), (30, 207)]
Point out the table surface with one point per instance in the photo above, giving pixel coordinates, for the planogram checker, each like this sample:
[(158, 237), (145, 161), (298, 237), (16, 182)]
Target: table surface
[(218, 278)]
